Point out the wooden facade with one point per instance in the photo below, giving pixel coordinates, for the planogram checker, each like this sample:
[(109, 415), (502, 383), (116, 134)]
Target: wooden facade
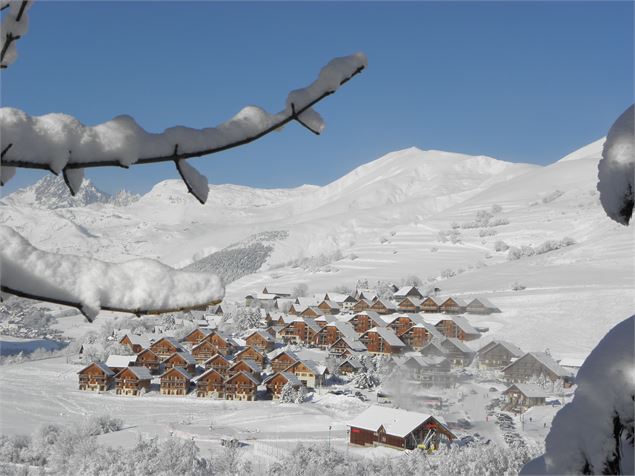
[(165, 347), (149, 360), (196, 336), (376, 344), (416, 337), (452, 306), (210, 384), (429, 304), (135, 347), (133, 381), (277, 381), (203, 351), (361, 305), (252, 354), (95, 377), (219, 363), (381, 306), (175, 382), (307, 374), (183, 360), (241, 386), (222, 344), (260, 341), (282, 361)]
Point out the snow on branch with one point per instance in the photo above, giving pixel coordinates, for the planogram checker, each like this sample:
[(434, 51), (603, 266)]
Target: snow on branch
[(140, 286), (59, 142), (14, 25), (616, 170)]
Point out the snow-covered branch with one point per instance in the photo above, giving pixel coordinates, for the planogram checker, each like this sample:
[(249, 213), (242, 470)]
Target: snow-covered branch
[(140, 286), (14, 25), (616, 170), (60, 143)]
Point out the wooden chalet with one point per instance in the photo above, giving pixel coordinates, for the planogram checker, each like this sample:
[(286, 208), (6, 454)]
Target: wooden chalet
[(247, 366), (434, 348), (241, 386), (364, 320), (457, 327), (134, 342), (330, 333), (210, 384), (219, 363), (400, 323), (299, 331), (203, 351), (361, 305), (452, 305), (329, 307), (431, 371), (276, 382), (309, 372), (133, 381), (535, 365), (382, 340), (283, 360), (252, 354), (383, 306), (409, 305), (379, 425), (349, 366), (261, 341), (197, 335), (278, 292), (522, 396), (498, 354), (175, 381), (95, 377), (165, 347), (345, 301), (407, 292), (312, 312), (418, 336), (430, 304), (224, 344), (148, 359), (480, 305), (116, 363), (459, 354), (185, 360), (347, 346)]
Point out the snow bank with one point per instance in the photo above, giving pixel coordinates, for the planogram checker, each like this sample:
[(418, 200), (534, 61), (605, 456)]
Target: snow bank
[(582, 436), (56, 140), (616, 170), (136, 285)]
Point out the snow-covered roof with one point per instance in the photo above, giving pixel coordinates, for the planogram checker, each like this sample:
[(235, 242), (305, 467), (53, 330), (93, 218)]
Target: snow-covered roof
[(305, 302), (186, 356), (353, 343), (265, 335), (571, 362), (289, 376), (484, 301), (339, 297), (102, 366), (404, 290), (529, 390), (180, 370), (142, 373), (395, 421), (205, 374), (436, 300), (511, 348), (354, 362), (278, 352), (246, 374), (434, 343), (387, 304), (388, 335), (331, 304), (458, 344), (118, 361), (464, 325), (551, 364), (143, 341), (252, 364)]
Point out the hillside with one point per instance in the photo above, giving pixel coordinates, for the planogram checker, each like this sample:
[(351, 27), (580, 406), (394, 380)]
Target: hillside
[(411, 212)]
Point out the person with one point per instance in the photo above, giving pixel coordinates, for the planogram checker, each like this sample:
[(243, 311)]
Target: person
[(544, 425), (530, 419)]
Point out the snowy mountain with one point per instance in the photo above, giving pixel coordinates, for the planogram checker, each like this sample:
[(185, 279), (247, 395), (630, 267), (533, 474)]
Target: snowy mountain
[(51, 193), (447, 218)]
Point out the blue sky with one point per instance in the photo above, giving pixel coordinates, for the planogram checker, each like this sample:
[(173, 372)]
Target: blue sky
[(524, 82)]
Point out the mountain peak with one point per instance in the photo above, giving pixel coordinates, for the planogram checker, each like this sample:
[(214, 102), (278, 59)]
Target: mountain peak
[(50, 192)]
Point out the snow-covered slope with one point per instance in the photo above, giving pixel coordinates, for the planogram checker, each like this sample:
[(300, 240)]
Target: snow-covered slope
[(411, 212)]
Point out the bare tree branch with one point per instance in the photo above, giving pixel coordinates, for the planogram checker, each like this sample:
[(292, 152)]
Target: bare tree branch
[(9, 36)]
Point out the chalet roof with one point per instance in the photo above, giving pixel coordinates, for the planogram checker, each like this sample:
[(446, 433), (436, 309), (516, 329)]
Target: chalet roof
[(434, 332), (117, 361), (571, 362), (248, 348), (170, 339), (246, 374), (404, 290), (138, 340), (314, 326), (436, 344), (288, 352), (331, 304), (344, 328), (464, 325), (457, 344), (528, 390), (414, 300), (266, 296), (353, 343), (387, 304), (189, 358), (289, 376), (204, 330), (437, 300), (180, 370), (373, 316), (339, 297), (306, 301), (326, 318), (391, 318), (395, 421), (252, 364), (388, 335), (205, 374), (353, 362), (102, 366), (142, 373), (312, 365), (217, 356), (279, 292), (458, 301), (511, 348), (265, 335), (315, 309), (484, 301), (545, 360)]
